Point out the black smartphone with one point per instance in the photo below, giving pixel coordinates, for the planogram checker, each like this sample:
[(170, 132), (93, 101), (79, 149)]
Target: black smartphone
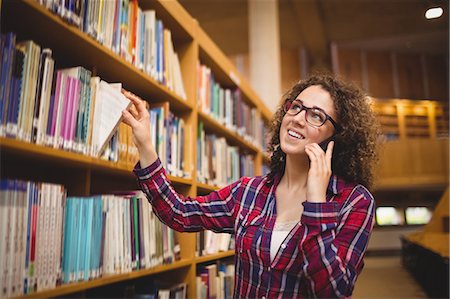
[(324, 143)]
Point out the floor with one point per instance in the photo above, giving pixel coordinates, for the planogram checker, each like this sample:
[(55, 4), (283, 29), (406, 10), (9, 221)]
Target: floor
[(384, 277)]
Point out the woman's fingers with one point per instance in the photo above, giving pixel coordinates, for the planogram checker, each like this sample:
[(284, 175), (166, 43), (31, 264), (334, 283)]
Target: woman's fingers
[(329, 153), (129, 119), (133, 111), (313, 158), (137, 101)]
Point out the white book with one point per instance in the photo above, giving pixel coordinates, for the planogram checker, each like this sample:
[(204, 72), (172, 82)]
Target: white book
[(108, 113), (4, 211), (21, 230), (60, 202), (149, 40), (108, 28), (6, 242), (60, 116), (47, 79), (94, 84), (139, 36), (15, 236), (127, 228), (180, 146), (219, 285), (117, 234), (224, 241), (121, 227), (40, 235), (27, 94), (146, 216), (179, 84), (152, 236)]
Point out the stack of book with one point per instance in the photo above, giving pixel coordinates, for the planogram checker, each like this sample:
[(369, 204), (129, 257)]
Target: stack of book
[(215, 281), (135, 34), (72, 110), (227, 107), (219, 163), (48, 238), (209, 242)]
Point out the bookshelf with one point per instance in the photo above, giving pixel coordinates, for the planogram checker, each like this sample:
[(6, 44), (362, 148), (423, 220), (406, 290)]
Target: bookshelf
[(84, 175), (410, 119)]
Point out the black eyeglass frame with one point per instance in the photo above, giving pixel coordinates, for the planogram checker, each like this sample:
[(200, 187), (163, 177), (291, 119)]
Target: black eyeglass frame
[(303, 107)]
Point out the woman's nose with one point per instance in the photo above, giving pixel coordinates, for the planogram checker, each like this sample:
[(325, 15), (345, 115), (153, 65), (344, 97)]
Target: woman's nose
[(300, 117)]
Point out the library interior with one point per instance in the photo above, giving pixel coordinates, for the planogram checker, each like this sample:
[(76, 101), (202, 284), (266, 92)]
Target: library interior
[(73, 220)]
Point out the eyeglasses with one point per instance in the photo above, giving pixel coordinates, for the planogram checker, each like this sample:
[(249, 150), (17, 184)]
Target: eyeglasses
[(316, 117)]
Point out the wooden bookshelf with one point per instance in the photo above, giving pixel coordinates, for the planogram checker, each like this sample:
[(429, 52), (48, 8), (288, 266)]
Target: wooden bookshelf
[(205, 188), (212, 125), (67, 289), (403, 119), (83, 175)]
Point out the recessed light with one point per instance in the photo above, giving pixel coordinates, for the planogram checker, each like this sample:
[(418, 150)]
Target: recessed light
[(433, 13)]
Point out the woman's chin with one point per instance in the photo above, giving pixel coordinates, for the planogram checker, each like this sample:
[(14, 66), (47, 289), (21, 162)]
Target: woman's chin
[(293, 151)]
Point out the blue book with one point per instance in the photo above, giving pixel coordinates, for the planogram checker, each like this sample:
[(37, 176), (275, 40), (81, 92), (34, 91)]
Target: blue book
[(30, 197), (142, 41), (89, 237), (102, 245), (74, 241), (158, 53), (15, 94), (81, 238), (97, 250), (6, 71), (160, 44), (181, 154)]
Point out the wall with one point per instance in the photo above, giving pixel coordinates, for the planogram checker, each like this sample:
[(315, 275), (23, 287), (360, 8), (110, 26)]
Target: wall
[(386, 74)]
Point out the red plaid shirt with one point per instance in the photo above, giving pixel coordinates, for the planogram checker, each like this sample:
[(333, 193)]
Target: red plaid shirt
[(321, 256)]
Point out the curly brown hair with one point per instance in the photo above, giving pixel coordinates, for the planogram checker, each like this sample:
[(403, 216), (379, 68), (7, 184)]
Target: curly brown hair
[(356, 148)]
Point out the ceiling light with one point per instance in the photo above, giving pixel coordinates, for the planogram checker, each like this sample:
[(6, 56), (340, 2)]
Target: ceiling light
[(433, 13)]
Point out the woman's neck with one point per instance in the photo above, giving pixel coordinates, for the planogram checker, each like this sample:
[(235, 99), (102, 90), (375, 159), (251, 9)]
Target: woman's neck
[(296, 172)]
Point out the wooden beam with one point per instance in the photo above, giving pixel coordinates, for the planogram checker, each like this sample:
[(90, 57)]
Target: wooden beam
[(311, 26)]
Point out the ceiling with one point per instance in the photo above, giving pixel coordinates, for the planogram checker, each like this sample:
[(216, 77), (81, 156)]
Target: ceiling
[(393, 25)]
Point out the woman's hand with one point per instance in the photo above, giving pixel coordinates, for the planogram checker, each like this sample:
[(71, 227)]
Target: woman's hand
[(319, 171), (138, 118)]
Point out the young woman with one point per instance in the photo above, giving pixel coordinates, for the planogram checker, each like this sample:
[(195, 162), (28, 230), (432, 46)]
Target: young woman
[(302, 230)]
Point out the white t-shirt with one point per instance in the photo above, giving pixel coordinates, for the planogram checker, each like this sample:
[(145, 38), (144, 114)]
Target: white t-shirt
[(279, 234)]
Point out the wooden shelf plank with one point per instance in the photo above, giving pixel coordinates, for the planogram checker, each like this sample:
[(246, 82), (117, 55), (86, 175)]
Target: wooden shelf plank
[(212, 257), (8, 145), (81, 286), (206, 187), (232, 138), (39, 152)]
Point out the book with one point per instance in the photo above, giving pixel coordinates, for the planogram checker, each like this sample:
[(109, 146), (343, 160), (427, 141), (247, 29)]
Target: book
[(109, 104)]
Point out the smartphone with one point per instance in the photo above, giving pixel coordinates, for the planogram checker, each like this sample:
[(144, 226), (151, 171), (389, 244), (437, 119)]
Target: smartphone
[(324, 143)]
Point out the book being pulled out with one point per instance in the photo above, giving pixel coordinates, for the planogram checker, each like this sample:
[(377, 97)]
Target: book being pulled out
[(109, 104)]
